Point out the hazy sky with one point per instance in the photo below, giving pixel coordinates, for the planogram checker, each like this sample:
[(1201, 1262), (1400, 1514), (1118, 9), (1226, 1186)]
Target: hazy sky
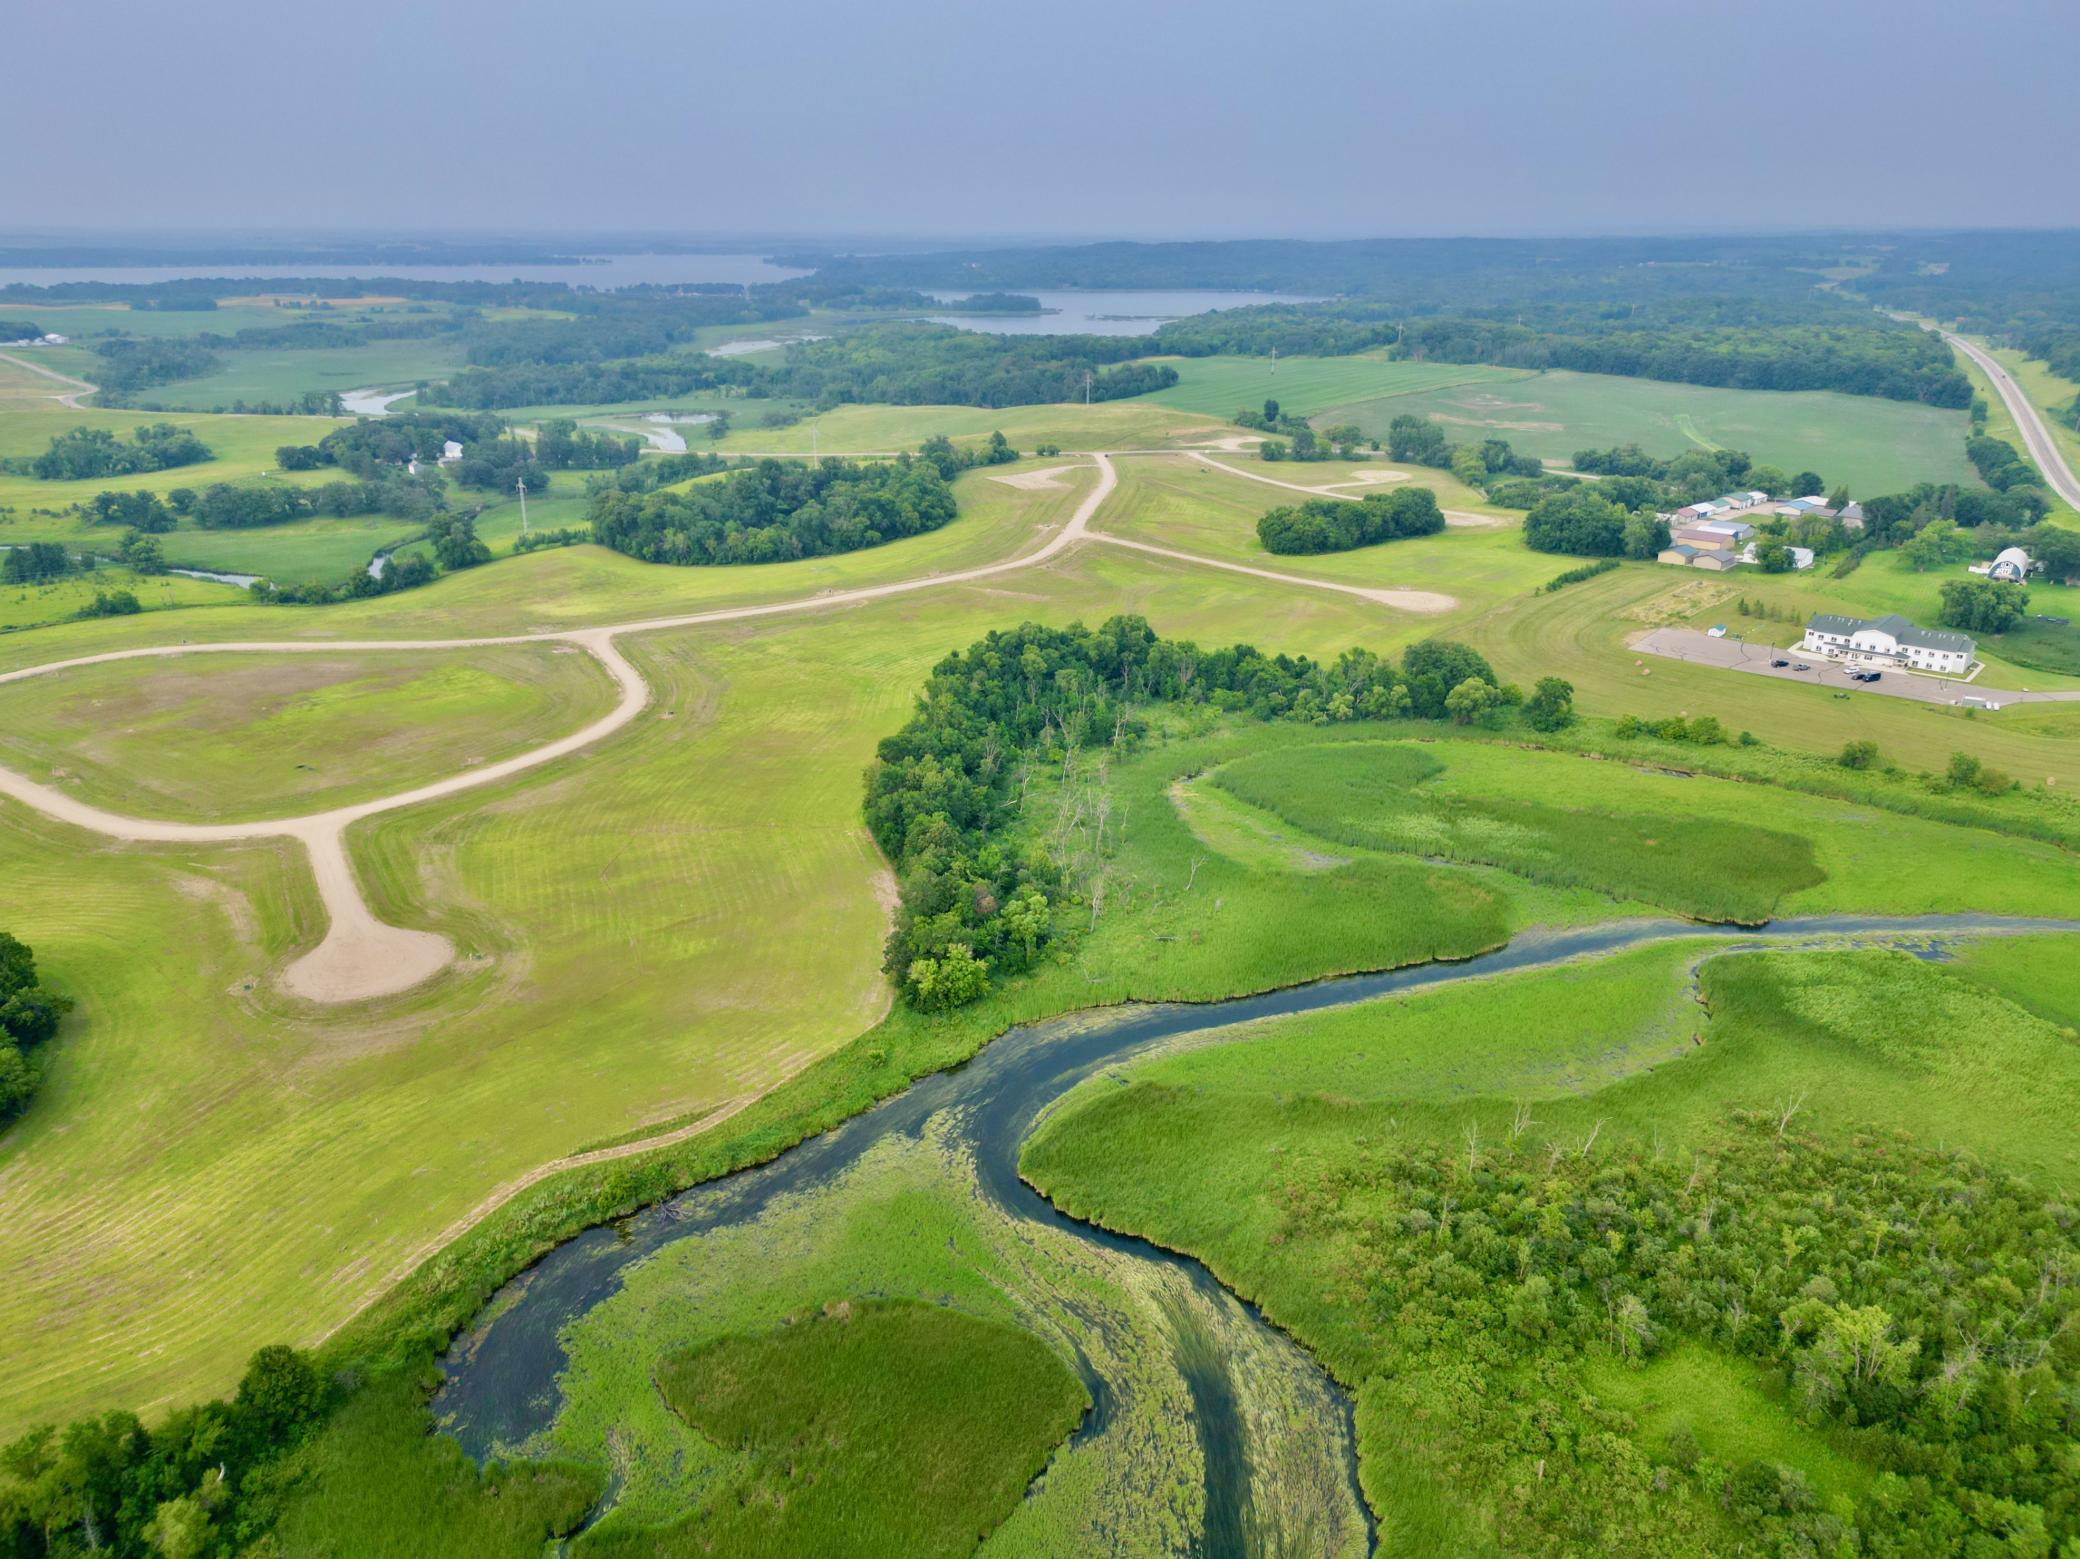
[(1122, 118)]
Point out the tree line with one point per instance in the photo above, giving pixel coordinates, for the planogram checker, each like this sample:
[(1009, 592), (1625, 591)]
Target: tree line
[(775, 511), (901, 364), (84, 453), (1339, 525), (978, 897)]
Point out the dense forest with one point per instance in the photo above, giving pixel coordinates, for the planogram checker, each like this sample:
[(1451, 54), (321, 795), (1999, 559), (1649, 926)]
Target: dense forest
[(776, 510), (1338, 525), (1914, 1307), (84, 453), (29, 1016), (946, 793)]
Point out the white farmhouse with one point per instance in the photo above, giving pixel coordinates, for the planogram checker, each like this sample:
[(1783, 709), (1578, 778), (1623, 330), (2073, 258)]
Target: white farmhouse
[(1889, 641)]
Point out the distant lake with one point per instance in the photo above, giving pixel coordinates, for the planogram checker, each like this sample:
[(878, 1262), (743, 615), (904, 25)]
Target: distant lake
[(607, 270), (1120, 313)]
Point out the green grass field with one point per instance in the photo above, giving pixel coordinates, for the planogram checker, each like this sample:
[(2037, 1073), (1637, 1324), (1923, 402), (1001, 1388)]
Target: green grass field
[(1303, 386), (1875, 446), (58, 600), (690, 917), (281, 374), (916, 1424), (224, 738)]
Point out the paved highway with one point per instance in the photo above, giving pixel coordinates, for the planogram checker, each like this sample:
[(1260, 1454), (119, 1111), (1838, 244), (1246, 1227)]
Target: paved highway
[(2043, 448)]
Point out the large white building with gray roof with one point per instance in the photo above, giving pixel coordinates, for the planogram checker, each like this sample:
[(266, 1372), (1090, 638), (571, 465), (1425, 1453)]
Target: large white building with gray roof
[(1889, 641)]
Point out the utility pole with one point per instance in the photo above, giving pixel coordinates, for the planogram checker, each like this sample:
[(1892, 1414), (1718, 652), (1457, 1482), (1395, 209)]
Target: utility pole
[(522, 485), (1274, 362), (1086, 387)]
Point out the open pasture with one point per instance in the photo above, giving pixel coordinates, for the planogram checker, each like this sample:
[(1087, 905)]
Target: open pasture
[(1875, 446), (1130, 424), (222, 738), (281, 374)]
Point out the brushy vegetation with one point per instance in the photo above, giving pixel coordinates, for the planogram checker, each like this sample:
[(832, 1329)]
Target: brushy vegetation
[(1371, 795), (876, 1428)]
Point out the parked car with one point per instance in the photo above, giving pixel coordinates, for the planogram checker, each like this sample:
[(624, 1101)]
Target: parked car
[(1800, 666), (1872, 676), (1779, 664)]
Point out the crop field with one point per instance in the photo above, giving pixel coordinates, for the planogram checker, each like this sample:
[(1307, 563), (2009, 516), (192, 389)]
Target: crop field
[(1303, 386), (229, 737), (1875, 446)]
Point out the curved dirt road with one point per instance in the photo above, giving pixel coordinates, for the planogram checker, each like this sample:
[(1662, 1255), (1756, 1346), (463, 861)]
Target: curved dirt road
[(2043, 448), (67, 398), (361, 957)]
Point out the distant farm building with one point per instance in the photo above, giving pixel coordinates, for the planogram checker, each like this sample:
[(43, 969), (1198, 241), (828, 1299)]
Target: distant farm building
[(1801, 557), (1683, 554), (1799, 508), (2012, 565), (1709, 544), (1889, 641), (1851, 516)]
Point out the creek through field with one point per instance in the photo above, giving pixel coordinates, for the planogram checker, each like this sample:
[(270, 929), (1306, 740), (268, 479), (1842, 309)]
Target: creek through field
[(1267, 1437)]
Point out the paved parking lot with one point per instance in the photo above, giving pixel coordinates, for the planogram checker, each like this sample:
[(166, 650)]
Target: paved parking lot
[(1736, 655)]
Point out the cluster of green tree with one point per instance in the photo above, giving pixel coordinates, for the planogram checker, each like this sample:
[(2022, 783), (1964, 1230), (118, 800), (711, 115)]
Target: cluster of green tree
[(776, 510), (1891, 519), (139, 362), (365, 446), (1490, 464), (244, 505), (311, 403), (406, 572), (627, 322), (1898, 363), (945, 793), (110, 603), (29, 563), (84, 453), (207, 1481), (1983, 605), (500, 465), (2000, 464), (1575, 576), (564, 536), (1911, 1305), (140, 511), (589, 383), (29, 1015), (1697, 474), (646, 476), (560, 445), (1584, 522), (991, 303), (1291, 330), (1339, 525), (410, 323), (952, 459), (19, 330)]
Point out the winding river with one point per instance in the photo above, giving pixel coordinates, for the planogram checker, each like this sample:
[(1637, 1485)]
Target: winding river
[(502, 1378)]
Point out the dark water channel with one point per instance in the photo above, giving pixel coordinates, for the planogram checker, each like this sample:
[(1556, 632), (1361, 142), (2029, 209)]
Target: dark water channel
[(502, 1376)]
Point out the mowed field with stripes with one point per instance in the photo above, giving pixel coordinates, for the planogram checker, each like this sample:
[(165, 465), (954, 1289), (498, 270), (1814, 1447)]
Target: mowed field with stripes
[(652, 929)]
